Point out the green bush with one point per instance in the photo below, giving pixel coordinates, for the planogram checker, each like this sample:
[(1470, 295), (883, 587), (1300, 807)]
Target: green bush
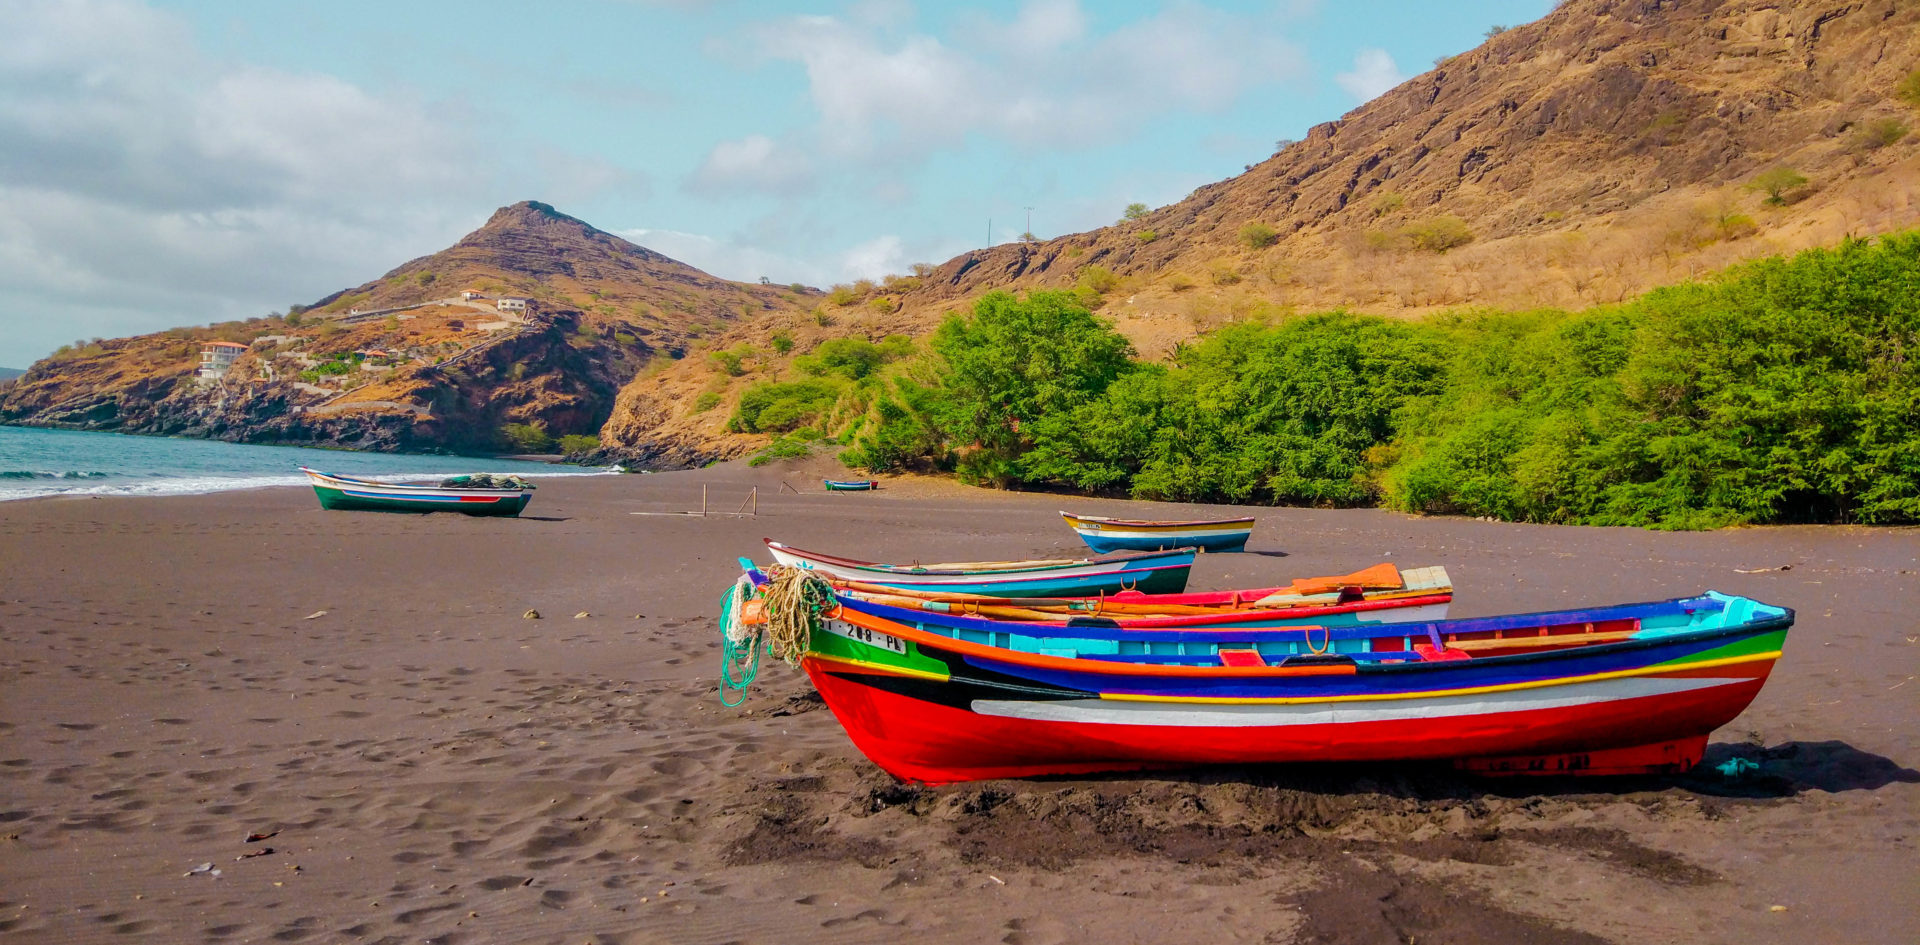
[(526, 437), (1781, 391), (1875, 135), (574, 443), (1258, 235), (706, 401), (1134, 211), (772, 407), (1437, 235), (852, 358), (782, 342), (783, 447), (1908, 90), (1098, 279), (732, 361)]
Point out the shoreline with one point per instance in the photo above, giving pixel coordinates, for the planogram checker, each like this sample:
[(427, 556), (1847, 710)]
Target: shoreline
[(431, 764)]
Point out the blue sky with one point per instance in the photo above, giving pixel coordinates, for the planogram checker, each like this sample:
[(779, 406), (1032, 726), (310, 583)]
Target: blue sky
[(166, 163)]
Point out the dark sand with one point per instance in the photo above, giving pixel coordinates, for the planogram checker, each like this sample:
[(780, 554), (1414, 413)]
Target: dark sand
[(430, 766)]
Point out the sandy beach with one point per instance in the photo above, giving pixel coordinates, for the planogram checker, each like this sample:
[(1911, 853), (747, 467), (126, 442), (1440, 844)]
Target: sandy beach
[(420, 762)]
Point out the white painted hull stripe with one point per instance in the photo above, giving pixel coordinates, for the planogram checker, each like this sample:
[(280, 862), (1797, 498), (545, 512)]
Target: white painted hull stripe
[(1211, 715)]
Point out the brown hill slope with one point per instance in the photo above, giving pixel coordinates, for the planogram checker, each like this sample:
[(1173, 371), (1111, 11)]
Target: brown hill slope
[(1605, 149), (1608, 148), (408, 361)]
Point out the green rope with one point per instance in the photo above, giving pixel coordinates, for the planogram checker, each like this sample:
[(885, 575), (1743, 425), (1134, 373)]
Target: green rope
[(795, 601), (743, 655)]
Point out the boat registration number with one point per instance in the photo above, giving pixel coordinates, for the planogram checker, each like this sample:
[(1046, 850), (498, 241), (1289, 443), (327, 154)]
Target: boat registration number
[(869, 637)]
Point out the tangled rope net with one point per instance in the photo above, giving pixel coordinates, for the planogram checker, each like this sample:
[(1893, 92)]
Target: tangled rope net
[(794, 599)]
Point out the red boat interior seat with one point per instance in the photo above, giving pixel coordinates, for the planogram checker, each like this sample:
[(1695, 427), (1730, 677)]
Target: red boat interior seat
[(1241, 658), (1431, 653)]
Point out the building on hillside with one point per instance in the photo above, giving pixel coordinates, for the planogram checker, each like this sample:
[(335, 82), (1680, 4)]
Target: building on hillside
[(216, 357), (511, 305), (471, 294)]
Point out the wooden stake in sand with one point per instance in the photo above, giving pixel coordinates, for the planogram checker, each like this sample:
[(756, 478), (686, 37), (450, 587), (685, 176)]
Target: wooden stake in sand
[(750, 507)]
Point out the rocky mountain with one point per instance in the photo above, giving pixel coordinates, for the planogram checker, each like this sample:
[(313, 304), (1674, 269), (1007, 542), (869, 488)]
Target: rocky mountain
[(1610, 147), (536, 319)]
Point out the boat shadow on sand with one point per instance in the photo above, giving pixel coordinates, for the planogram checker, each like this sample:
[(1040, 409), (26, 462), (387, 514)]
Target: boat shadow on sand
[(1728, 770)]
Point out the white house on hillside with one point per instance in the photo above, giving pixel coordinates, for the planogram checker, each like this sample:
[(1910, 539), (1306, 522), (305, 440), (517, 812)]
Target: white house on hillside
[(511, 305), (216, 357)]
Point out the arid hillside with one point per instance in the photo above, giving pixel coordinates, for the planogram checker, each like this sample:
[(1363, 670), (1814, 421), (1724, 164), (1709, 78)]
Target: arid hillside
[(1605, 149), (535, 320)]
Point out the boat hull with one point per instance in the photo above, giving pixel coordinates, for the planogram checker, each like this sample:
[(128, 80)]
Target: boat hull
[(1105, 536), (915, 738), (1159, 574), (835, 486), (938, 711)]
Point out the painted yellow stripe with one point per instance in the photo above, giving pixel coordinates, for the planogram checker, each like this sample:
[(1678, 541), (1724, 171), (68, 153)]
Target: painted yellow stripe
[(1437, 693), (896, 670)]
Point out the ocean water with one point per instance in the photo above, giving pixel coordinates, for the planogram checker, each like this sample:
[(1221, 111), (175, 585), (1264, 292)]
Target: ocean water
[(35, 462)]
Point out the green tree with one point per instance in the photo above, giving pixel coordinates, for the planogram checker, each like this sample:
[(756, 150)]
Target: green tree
[(1134, 211), (1013, 361), (1778, 183)]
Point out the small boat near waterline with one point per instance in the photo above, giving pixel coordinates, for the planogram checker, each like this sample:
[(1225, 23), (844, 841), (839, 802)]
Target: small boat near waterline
[(347, 493), (1104, 534), (1148, 573), (1628, 689), (864, 485)]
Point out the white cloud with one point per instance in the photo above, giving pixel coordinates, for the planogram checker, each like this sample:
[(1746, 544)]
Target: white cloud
[(145, 184), (875, 258), (1374, 72), (736, 259), (1040, 80), (728, 259), (753, 163)]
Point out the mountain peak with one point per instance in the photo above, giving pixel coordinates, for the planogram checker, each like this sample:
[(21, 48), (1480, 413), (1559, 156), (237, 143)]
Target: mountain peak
[(532, 214)]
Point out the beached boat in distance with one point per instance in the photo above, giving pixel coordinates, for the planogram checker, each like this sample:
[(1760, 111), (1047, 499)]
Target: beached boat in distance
[(1119, 534), (1630, 689), (864, 485), (453, 495), (1148, 573)]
